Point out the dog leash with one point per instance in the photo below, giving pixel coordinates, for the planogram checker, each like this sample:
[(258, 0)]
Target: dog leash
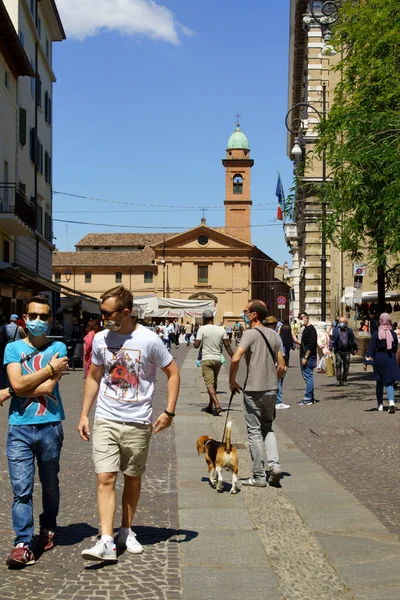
[(227, 415)]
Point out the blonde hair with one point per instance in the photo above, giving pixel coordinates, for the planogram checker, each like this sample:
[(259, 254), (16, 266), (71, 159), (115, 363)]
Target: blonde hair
[(123, 297)]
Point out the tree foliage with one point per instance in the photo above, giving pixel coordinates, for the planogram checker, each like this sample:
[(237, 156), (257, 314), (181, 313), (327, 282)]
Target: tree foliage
[(361, 134)]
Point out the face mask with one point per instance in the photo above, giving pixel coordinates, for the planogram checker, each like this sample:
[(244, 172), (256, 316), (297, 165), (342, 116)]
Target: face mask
[(342, 325), (246, 319), (301, 322), (36, 327)]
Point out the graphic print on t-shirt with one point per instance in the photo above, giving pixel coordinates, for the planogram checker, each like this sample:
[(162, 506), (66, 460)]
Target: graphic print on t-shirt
[(42, 401), (121, 374)]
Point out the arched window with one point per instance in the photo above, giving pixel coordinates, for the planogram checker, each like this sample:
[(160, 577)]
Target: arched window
[(237, 184)]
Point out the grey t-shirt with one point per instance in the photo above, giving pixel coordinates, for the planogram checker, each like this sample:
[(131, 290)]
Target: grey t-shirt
[(211, 337), (261, 370)]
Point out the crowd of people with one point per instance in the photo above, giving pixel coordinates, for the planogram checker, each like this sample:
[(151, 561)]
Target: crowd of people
[(120, 361)]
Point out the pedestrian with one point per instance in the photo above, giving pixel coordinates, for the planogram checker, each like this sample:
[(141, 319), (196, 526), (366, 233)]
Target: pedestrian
[(322, 346), (92, 328), (271, 322), (373, 323), (168, 334), (237, 332), (9, 332), (382, 351), (285, 332), (34, 367), (211, 337), (263, 349), (122, 374), (177, 333), (308, 358), (229, 332), (188, 333), (343, 344)]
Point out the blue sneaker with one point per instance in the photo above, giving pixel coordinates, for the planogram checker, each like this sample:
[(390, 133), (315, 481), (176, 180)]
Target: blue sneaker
[(305, 402)]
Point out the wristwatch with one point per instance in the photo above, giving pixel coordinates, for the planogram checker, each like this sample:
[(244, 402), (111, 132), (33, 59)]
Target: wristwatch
[(11, 391), (170, 414)]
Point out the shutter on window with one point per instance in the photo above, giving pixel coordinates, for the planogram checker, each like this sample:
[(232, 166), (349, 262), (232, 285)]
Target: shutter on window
[(46, 106), (46, 166), (22, 126)]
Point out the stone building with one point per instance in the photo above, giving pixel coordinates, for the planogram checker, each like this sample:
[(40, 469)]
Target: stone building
[(27, 33), (310, 67), (219, 264)]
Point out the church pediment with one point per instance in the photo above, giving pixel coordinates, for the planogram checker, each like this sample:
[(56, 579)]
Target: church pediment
[(203, 237)]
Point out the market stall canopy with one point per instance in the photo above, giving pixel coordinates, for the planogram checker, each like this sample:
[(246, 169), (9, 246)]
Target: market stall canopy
[(353, 296), (154, 306)]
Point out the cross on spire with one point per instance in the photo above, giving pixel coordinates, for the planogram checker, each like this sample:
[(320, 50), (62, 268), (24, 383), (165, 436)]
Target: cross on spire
[(238, 119)]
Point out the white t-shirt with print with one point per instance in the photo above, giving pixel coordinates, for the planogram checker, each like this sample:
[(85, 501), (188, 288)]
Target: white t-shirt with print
[(167, 330), (130, 363)]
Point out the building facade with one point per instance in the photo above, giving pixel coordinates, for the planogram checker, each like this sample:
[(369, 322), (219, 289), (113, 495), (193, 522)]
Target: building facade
[(219, 264), (310, 68), (26, 149)]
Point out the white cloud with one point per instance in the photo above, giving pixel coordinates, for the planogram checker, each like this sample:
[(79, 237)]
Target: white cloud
[(142, 18)]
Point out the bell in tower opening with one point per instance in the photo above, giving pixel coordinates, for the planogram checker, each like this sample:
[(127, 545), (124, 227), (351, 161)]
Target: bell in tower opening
[(237, 184)]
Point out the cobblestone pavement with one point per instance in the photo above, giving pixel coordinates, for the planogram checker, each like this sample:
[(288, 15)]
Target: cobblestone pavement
[(61, 574), (349, 438)]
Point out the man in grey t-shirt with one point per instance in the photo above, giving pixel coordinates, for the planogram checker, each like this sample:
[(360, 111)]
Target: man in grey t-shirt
[(263, 349), (211, 337)]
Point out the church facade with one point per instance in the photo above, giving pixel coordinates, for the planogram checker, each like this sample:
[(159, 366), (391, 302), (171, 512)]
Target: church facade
[(219, 264)]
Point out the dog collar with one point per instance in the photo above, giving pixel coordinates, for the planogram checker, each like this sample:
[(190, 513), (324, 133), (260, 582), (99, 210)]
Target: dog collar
[(208, 441)]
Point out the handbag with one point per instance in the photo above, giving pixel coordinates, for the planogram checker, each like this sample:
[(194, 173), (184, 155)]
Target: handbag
[(329, 368)]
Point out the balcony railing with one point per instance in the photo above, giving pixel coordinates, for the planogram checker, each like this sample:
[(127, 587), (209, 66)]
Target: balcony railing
[(13, 200)]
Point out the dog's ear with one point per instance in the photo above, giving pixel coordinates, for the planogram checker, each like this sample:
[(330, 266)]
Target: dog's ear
[(200, 444)]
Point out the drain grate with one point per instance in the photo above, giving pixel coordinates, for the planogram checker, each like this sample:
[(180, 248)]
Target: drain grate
[(336, 432)]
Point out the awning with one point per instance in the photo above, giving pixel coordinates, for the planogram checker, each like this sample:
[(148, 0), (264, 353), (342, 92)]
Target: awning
[(25, 278), (353, 296), (173, 308)]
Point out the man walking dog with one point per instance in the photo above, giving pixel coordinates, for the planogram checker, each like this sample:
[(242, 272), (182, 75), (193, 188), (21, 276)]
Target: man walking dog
[(263, 350)]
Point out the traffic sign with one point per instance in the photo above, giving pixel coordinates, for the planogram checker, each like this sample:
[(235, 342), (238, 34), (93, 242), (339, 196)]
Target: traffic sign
[(281, 300)]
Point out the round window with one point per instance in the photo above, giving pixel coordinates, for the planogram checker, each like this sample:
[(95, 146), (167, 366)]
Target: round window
[(203, 240)]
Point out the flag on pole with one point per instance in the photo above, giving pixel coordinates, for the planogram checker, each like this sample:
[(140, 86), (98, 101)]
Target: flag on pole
[(280, 194)]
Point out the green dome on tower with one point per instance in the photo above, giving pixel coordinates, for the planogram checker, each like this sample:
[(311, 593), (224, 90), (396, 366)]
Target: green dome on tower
[(238, 140)]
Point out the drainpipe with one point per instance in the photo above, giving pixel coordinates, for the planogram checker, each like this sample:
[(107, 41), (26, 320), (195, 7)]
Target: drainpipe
[(37, 137)]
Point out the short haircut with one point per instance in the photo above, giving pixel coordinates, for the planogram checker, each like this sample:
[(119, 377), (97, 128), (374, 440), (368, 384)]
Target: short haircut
[(258, 307), (123, 297), (38, 299), (304, 314)]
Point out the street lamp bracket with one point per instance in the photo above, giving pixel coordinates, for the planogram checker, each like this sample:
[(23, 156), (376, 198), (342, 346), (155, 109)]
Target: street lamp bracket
[(329, 10)]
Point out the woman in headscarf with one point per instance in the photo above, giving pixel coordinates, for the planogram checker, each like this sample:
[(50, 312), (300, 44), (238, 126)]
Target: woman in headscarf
[(322, 346), (382, 351)]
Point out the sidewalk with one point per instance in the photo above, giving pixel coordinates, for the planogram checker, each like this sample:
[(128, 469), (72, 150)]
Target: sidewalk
[(311, 539)]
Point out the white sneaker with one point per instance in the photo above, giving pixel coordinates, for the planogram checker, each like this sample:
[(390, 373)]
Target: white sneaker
[(129, 541), (101, 551), (392, 407), (281, 406), (380, 407)]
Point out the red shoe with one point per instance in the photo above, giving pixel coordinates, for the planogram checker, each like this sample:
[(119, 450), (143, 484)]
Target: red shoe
[(46, 540), (20, 556)]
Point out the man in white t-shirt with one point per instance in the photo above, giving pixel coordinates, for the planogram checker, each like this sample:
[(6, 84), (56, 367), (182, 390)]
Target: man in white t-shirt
[(168, 333), (211, 337), (125, 357)]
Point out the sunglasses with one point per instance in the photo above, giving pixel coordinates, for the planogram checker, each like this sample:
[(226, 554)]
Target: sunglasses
[(107, 315), (42, 316)]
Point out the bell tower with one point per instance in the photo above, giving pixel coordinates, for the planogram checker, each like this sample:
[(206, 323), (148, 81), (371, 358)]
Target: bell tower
[(237, 193)]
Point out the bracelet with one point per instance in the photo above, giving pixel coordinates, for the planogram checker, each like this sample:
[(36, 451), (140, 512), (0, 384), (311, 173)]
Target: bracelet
[(50, 370), (170, 414)]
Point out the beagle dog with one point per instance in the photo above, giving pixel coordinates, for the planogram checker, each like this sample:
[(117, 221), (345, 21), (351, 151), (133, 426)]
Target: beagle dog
[(220, 456)]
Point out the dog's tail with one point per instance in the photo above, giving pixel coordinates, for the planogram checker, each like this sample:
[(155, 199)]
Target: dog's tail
[(228, 445)]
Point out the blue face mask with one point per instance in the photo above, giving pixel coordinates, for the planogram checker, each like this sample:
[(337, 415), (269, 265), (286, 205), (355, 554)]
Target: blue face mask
[(36, 327), (246, 319), (342, 325)]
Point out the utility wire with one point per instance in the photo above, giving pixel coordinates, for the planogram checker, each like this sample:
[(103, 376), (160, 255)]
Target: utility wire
[(146, 203), (157, 228)]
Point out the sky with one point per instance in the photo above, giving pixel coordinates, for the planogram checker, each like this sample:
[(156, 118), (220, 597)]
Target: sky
[(144, 105)]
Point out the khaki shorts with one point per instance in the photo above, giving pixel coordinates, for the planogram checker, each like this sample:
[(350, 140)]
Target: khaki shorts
[(120, 446), (210, 369)]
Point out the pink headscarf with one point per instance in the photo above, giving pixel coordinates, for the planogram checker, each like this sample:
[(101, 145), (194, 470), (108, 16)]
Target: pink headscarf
[(384, 330)]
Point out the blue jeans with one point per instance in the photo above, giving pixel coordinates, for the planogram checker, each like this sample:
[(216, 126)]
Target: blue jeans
[(24, 444), (279, 394), (379, 392), (308, 376)]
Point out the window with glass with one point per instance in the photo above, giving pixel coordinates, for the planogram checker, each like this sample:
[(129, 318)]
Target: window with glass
[(148, 276), (57, 277), (118, 277), (202, 274), (88, 277)]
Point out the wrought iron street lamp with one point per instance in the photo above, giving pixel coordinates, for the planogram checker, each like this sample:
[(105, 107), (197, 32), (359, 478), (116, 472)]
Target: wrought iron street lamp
[(296, 123), (68, 274), (326, 14)]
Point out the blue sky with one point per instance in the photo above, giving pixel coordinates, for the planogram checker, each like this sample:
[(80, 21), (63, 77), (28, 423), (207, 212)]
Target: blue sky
[(143, 112)]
